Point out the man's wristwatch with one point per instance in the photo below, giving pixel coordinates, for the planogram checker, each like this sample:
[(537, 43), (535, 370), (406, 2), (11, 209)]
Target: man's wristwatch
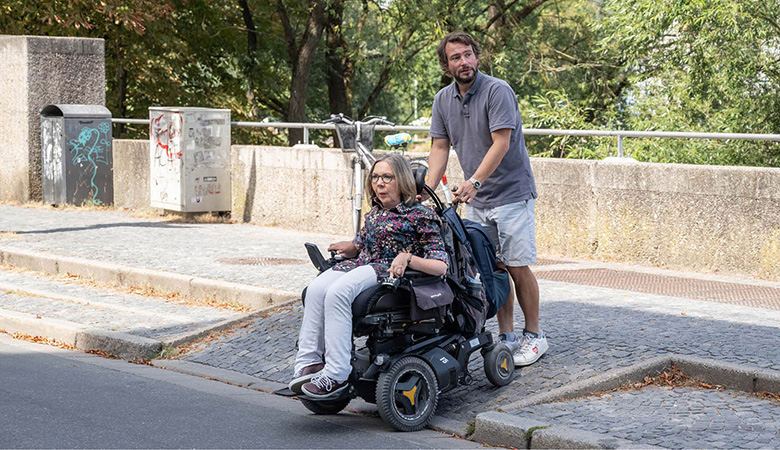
[(477, 184)]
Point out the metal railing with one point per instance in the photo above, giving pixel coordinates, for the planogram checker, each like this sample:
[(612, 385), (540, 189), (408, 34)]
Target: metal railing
[(620, 135)]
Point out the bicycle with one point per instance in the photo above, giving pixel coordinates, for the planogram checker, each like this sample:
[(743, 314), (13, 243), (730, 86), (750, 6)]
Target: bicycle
[(359, 135)]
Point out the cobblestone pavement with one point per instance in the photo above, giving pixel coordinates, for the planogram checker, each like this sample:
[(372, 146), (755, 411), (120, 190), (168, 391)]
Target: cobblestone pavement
[(150, 317), (183, 248), (590, 331), (672, 418)]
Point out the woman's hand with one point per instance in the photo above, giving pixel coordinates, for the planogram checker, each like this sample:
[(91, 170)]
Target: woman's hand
[(399, 264), (344, 248)]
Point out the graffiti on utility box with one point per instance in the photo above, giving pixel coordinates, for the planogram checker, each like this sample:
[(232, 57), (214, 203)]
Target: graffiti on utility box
[(76, 160), (190, 151)]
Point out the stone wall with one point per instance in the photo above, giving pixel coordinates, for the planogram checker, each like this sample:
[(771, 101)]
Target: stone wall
[(707, 218), (39, 71), (131, 174)]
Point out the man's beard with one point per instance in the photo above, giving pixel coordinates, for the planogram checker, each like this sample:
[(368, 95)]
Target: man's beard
[(466, 80)]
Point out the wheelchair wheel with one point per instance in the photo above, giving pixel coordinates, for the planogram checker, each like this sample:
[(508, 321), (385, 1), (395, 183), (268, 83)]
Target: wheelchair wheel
[(327, 407), (407, 394), (499, 365)]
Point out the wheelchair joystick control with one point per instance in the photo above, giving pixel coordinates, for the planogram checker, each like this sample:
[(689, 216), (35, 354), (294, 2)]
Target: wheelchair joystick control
[(392, 282)]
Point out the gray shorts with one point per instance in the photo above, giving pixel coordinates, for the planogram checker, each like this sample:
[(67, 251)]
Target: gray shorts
[(512, 228)]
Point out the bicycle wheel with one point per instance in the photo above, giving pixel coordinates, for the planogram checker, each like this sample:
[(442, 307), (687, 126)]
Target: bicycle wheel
[(442, 190)]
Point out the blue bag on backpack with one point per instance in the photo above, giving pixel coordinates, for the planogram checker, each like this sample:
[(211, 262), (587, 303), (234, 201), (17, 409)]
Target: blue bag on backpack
[(495, 279)]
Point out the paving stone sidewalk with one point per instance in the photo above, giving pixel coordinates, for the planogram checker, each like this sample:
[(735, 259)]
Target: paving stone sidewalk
[(197, 249), (683, 417), (156, 318), (591, 330)]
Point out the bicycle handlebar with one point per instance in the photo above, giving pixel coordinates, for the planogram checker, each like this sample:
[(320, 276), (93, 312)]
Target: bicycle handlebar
[(370, 120)]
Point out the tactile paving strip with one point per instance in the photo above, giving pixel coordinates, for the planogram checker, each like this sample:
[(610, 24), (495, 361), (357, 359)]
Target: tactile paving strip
[(263, 261), (549, 262), (717, 291)]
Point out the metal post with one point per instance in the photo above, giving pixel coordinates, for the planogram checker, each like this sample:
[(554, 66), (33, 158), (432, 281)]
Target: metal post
[(306, 135), (620, 146)]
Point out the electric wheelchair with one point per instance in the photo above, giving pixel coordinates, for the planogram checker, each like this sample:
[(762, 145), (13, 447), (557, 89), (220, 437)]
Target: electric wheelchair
[(405, 364)]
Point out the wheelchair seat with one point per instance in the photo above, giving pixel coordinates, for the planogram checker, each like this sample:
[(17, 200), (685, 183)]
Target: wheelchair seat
[(379, 298)]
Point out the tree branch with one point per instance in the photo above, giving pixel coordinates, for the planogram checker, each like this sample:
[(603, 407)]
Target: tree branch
[(289, 35)]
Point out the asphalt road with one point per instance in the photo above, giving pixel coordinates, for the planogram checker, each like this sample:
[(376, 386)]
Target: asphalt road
[(54, 398)]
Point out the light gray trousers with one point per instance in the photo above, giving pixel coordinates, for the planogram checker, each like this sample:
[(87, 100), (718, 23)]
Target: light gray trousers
[(326, 329)]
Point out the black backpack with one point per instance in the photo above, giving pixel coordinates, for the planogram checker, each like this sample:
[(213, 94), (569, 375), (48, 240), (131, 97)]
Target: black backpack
[(480, 287)]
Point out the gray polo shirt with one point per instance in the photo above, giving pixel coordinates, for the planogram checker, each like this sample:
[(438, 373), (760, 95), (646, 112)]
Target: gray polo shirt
[(489, 105)]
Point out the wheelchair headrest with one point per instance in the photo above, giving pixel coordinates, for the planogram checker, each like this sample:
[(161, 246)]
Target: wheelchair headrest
[(419, 178)]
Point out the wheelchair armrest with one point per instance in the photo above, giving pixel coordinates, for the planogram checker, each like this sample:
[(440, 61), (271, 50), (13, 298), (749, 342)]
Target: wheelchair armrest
[(415, 274)]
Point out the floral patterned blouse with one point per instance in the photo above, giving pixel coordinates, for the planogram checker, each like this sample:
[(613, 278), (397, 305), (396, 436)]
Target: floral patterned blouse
[(387, 232)]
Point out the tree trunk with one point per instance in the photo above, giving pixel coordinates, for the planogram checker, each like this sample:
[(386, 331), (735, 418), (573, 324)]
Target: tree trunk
[(339, 65), (301, 59), (251, 51)]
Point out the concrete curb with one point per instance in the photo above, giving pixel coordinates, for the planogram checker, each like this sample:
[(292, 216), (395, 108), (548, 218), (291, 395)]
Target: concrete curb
[(733, 376), (495, 428), (234, 378), (124, 345), (197, 287), (80, 336), (215, 373), (608, 380)]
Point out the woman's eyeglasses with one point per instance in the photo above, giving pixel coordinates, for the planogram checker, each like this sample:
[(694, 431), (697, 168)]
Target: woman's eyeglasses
[(386, 178)]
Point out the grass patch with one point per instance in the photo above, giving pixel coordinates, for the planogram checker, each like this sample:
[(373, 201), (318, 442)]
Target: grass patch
[(21, 293), (529, 432)]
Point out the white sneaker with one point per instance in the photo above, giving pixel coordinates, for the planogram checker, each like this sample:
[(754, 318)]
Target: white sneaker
[(513, 345), (531, 349)]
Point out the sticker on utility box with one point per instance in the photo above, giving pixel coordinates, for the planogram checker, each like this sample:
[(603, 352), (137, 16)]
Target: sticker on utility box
[(209, 179)]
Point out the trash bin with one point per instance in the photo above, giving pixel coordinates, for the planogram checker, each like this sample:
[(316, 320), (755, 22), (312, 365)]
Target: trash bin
[(76, 162), (190, 159)]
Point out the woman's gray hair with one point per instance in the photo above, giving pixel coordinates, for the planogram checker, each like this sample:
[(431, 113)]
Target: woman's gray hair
[(403, 176)]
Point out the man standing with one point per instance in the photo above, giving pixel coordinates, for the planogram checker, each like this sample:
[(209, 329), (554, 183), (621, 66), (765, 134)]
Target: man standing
[(478, 115)]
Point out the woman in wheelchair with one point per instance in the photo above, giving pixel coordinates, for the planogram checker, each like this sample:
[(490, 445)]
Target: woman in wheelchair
[(399, 234)]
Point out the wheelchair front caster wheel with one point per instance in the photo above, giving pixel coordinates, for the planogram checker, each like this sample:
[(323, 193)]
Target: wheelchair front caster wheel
[(325, 407), (499, 365), (407, 394)]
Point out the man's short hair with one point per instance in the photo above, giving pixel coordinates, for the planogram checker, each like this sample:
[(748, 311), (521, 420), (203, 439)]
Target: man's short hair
[(460, 37)]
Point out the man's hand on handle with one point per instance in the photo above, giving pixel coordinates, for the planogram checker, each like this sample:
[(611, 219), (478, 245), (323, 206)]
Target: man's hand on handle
[(465, 192)]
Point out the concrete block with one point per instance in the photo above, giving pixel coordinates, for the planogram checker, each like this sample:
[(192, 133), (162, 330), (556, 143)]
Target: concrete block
[(767, 381), (120, 344), (158, 279), (38, 71), (93, 270), (500, 429), (443, 424), (60, 330), (734, 376), (565, 437), (260, 297), (39, 262), (93, 46)]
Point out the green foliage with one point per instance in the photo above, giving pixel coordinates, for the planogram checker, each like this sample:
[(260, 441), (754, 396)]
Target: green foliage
[(667, 65)]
